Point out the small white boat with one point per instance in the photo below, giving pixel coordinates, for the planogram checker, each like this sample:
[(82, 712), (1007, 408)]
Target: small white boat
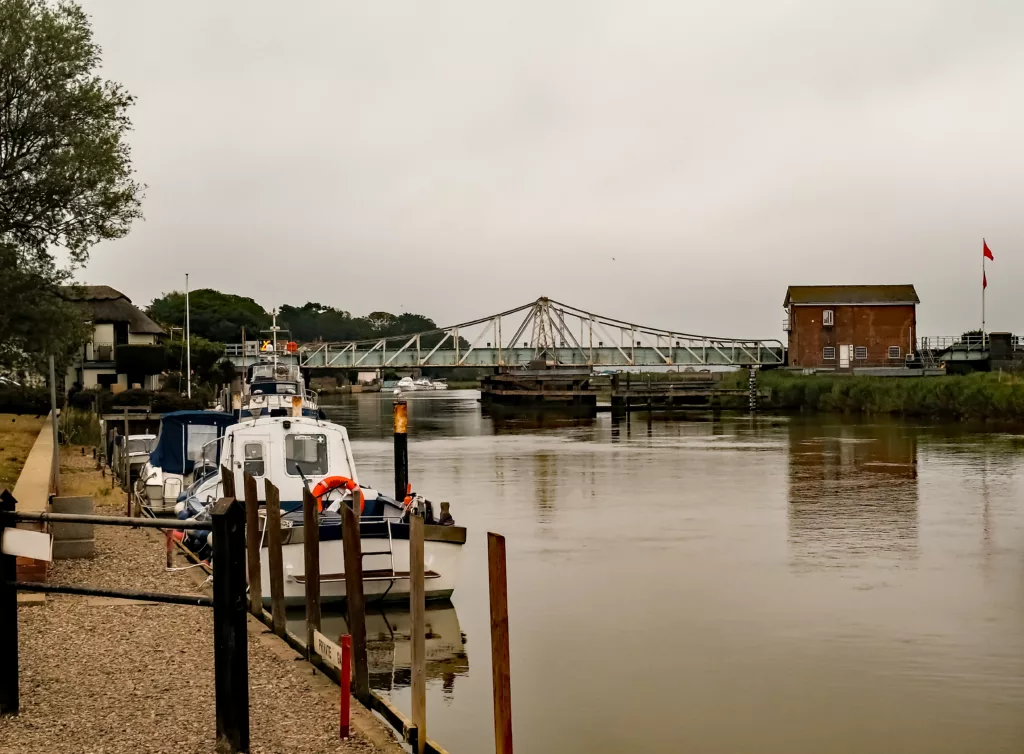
[(300, 452)]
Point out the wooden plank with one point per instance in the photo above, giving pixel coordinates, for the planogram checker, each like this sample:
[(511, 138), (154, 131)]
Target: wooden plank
[(311, 552), (275, 559), (500, 666), (417, 607), (252, 545), (354, 595)]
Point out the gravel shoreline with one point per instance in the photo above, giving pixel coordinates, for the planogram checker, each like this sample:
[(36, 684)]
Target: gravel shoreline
[(100, 676)]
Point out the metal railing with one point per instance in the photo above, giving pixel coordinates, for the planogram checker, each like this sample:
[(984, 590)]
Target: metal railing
[(230, 640)]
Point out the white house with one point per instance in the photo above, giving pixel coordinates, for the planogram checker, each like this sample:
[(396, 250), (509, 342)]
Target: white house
[(117, 322)]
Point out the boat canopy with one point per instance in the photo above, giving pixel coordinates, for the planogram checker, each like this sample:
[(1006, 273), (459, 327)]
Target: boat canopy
[(183, 436)]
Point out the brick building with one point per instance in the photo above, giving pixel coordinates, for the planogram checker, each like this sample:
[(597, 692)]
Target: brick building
[(848, 326)]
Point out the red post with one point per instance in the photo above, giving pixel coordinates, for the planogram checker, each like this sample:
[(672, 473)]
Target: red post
[(345, 680)]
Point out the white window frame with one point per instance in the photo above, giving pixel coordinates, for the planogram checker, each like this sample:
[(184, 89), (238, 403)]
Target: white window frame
[(828, 317), (826, 351), (895, 352), (860, 353)]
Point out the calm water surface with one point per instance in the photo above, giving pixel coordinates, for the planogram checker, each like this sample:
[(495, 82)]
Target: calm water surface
[(781, 585)]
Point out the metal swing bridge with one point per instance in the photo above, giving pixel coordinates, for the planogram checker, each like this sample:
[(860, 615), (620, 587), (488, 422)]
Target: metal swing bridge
[(547, 330)]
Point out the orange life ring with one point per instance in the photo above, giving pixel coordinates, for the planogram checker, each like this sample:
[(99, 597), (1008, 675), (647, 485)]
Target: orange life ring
[(329, 483)]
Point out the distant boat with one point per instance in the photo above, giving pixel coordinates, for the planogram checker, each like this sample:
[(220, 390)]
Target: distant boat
[(409, 385)]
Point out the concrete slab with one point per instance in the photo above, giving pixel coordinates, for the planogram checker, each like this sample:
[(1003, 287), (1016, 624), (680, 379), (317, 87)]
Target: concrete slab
[(28, 599)]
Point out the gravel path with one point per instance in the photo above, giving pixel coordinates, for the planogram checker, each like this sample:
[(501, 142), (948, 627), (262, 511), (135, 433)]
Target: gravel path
[(99, 676)]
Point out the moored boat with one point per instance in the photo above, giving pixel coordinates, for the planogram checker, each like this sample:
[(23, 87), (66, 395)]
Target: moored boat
[(296, 453)]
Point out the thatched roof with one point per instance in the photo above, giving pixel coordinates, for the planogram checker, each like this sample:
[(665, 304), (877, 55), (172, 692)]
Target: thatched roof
[(108, 304)]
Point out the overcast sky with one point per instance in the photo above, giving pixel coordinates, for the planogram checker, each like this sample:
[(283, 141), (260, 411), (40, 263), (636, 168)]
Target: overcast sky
[(674, 163)]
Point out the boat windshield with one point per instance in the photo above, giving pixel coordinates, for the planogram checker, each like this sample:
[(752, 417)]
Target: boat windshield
[(275, 373), (274, 388), (305, 454), (141, 444)]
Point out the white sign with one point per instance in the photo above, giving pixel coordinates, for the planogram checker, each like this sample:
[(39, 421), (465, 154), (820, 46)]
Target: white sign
[(327, 649), (27, 544)]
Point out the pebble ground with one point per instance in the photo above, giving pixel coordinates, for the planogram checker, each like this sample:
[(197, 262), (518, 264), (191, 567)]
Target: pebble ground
[(102, 677)]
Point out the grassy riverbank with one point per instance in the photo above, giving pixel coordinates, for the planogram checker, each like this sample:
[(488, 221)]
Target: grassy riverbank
[(17, 435), (973, 396)]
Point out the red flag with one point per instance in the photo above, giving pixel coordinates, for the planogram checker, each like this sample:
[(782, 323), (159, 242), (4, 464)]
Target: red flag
[(986, 251), (984, 281)]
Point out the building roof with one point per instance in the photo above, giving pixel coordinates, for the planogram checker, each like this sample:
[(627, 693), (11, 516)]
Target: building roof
[(807, 295), (108, 304)]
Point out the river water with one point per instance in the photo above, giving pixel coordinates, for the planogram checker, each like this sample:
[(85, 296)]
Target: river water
[(782, 584)]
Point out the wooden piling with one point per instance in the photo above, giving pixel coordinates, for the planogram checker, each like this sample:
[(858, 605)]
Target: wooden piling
[(227, 480), (9, 701), (500, 666), (275, 559), (252, 545), (311, 551), (126, 467), (230, 640), (417, 608), (401, 426), (354, 595)]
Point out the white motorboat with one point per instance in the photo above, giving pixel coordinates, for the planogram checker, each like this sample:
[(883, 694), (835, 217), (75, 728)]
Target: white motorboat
[(300, 452), (406, 385), (274, 388)]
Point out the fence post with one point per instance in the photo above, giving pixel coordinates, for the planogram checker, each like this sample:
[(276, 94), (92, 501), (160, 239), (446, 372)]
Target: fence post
[(275, 559), (401, 419), (500, 671), (230, 640), (311, 551), (55, 459), (9, 703), (354, 594), (417, 606), (252, 545), (227, 480), (125, 466)]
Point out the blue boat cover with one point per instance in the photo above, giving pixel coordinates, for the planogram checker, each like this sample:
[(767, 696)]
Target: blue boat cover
[(182, 436)]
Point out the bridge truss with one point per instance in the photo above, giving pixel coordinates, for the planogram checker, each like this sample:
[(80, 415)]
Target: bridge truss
[(544, 330)]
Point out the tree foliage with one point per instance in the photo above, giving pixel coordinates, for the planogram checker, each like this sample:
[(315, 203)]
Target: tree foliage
[(215, 316), (220, 317), (65, 172)]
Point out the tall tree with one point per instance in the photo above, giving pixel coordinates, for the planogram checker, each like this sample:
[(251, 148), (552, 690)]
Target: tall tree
[(215, 316), (65, 171)]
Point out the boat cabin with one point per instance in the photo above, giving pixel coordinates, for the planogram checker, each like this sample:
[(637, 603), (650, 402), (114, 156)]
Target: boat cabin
[(187, 449), (292, 452)]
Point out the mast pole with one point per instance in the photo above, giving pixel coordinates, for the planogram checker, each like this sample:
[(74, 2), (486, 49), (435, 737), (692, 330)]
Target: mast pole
[(188, 338)]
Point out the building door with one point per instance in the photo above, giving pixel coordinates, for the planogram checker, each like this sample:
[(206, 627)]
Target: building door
[(845, 356)]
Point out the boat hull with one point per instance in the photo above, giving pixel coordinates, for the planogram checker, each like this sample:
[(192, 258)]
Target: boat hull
[(384, 579)]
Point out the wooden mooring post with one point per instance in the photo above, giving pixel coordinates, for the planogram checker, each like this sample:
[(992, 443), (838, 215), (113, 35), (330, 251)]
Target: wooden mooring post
[(311, 552), (500, 665), (417, 608), (275, 558), (252, 545), (230, 638), (354, 598), (9, 701), (401, 421)]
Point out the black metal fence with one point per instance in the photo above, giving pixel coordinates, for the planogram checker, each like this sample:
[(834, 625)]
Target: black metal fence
[(230, 642)]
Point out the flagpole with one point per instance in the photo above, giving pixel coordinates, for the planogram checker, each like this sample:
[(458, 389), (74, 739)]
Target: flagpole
[(983, 281)]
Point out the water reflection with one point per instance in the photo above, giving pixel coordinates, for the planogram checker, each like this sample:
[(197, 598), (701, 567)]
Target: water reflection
[(388, 632), (853, 492)]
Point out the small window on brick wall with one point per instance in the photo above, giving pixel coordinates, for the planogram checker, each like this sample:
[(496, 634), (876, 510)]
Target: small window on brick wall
[(828, 353), (860, 352), (828, 317), (894, 352)]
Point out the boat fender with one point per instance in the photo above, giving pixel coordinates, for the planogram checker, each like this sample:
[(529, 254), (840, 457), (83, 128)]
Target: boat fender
[(327, 484)]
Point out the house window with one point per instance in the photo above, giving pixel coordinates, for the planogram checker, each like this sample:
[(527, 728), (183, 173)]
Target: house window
[(254, 459), (828, 318), (305, 455), (860, 352), (894, 352), (829, 353)]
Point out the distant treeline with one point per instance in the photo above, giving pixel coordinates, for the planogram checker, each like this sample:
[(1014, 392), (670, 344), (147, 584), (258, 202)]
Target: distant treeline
[(982, 396), (220, 317)]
